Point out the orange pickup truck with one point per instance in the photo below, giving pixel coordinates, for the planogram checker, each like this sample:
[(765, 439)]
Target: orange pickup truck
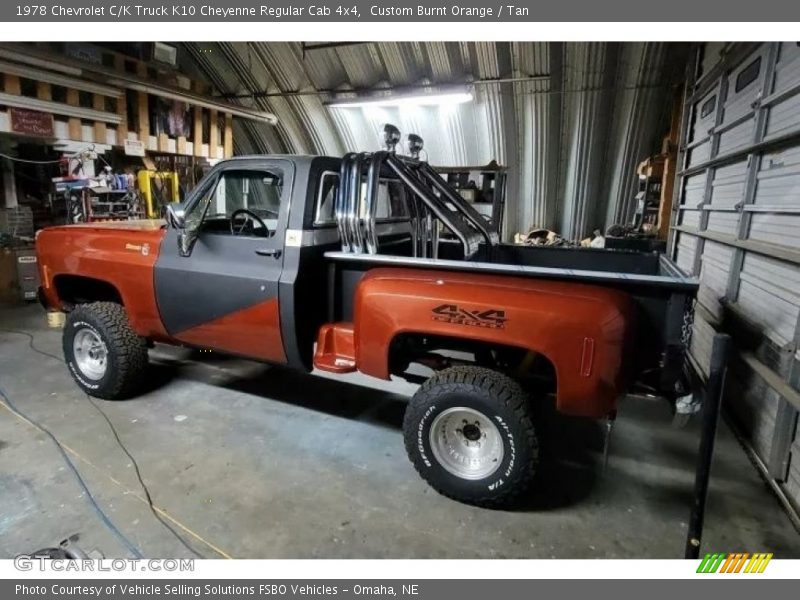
[(372, 263)]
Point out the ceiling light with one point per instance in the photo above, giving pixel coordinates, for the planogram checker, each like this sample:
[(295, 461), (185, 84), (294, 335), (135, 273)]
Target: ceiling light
[(400, 101)]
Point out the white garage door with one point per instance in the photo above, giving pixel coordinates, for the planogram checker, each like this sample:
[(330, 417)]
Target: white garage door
[(737, 227)]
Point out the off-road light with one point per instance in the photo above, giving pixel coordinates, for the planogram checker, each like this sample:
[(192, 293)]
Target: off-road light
[(415, 144), (400, 101), (391, 136)]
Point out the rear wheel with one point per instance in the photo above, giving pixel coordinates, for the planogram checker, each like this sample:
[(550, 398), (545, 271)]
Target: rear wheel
[(104, 355), (468, 431)]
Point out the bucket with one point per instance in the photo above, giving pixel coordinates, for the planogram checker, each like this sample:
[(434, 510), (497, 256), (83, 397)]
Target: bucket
[(56, 319)]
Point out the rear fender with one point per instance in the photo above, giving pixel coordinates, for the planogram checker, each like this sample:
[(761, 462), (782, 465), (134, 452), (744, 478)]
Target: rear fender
[(581, 329)]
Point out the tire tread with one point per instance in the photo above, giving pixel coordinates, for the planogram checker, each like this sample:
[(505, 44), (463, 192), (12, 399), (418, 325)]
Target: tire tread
[(505, 390), (130, 350)]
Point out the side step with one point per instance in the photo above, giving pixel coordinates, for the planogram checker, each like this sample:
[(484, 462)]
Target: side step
[(336, 349)]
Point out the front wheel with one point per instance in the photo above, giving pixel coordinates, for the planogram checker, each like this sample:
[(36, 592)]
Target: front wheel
[(104, 355), (468, 431)]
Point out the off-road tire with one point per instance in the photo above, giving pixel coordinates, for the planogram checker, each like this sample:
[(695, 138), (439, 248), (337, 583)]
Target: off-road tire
[(501, 400), (126, 352)]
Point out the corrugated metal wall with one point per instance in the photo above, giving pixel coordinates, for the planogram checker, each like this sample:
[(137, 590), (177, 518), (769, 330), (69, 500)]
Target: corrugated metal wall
[(571, 120), (737, 226)]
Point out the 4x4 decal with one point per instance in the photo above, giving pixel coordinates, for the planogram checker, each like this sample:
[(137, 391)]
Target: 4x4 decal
[(452, 313)]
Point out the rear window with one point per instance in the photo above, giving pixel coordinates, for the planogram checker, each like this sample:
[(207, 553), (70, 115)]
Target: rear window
[(391, 204)]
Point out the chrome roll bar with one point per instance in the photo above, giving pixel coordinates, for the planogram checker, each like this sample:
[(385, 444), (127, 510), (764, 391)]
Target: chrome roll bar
[(342, 200)]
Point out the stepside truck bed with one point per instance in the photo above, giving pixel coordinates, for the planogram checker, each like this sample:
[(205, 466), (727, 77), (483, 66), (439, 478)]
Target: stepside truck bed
[(661, 292)]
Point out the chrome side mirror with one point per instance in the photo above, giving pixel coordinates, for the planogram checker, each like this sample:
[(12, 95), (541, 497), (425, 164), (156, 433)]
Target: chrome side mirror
[(176, 217)]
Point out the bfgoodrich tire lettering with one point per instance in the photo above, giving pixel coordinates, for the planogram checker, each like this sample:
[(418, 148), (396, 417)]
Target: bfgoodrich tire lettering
[(126, 352), (500, 405)]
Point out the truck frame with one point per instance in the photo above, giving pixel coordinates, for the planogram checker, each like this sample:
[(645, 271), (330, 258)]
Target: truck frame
[(338, 264)]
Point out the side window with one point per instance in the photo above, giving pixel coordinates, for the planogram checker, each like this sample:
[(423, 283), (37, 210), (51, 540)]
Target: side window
[(260, 193), (391, 203), (326, 199)]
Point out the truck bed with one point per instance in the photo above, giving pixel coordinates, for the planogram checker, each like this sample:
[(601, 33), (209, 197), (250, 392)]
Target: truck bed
[(660, 290)]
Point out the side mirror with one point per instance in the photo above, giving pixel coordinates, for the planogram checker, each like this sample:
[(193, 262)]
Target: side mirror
[(176, 215)]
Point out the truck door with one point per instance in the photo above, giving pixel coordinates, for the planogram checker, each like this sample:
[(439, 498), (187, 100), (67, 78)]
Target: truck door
[(223, 295)]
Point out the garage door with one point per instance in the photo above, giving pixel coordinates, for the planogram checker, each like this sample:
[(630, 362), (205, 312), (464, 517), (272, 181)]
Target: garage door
[(737, 227)]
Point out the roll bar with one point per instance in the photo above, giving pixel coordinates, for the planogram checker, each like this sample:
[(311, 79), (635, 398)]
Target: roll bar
[(431, 200)]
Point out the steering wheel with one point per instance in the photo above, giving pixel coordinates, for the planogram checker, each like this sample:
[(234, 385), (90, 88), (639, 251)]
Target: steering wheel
[(249, 215)]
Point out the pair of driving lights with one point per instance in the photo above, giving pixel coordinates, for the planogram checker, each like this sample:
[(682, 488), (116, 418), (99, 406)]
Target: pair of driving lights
[(405, 101)]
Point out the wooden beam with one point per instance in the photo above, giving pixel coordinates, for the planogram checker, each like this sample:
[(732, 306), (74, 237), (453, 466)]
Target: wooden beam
[(197, 137), (11, 85), (213, 133), (144, 119), (122, 111), (44, 91), (199, 87), (163, 142), (180, 145), (228, 135), (100, 129), (670, 165), (74, 123)]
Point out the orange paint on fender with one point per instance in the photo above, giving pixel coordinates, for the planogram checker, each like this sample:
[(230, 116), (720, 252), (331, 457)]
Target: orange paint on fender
[(552, 318)]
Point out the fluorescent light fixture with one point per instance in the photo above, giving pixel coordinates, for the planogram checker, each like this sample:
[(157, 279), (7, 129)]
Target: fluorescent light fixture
[(118, 80), (38, 62), (58, 79), (400, 101), (170, 94), (59, 109)]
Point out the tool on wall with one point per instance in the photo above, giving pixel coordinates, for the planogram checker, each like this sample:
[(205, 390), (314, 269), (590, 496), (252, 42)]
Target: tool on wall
[(158, 188)]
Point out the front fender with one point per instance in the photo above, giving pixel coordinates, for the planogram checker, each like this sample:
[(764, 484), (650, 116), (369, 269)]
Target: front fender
[(582, 329), (122, 258)]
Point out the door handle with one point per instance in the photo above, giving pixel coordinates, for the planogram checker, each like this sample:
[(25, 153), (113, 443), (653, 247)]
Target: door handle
[(273, 252)]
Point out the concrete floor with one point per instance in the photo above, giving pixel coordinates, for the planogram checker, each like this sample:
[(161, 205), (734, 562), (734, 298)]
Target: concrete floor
[(250, 461)]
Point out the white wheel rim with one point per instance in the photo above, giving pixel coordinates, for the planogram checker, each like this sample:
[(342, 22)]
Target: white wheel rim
[(91, 354), (466, 443)]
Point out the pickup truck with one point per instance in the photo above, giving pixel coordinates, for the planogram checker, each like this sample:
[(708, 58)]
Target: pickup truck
[(371, 262)]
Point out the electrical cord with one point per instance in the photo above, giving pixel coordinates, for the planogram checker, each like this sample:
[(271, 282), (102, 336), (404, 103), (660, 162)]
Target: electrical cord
[(32, 162), (92, 502), (119, 441)]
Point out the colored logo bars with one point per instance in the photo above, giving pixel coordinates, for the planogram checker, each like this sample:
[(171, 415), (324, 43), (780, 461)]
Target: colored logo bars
[(736, 562)]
